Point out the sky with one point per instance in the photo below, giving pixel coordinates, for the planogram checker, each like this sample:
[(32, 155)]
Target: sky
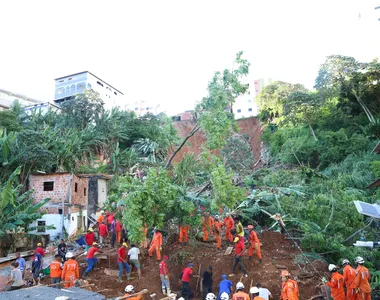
[(165, 52)]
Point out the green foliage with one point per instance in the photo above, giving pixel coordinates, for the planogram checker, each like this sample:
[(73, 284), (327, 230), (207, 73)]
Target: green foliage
[(376, 168), (185, 171)]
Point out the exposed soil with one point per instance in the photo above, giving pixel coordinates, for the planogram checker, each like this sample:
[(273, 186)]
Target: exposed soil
[(275, 250)]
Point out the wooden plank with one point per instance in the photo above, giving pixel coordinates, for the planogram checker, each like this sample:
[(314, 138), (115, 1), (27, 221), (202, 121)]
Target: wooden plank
[(229, 250)]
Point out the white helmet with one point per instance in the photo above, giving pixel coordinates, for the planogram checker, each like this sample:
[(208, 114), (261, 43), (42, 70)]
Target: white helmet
[(216, 217), (129, 288), (224, 296), (69, 255), (210, 296), (332, 267), (254, 290), (359, 260), (181, 298), (239, 286), (345, 262)]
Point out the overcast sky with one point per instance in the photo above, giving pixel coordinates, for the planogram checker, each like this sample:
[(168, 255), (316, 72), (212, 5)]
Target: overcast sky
[(167, 51)]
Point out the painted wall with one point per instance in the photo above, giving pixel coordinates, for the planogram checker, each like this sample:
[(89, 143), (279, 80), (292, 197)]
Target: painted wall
[(102, 192)]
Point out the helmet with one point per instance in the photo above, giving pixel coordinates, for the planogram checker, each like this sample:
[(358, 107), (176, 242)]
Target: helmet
[(359, 260), (165, 257), (181, 298), (236, 240), (239, 286), (254, 290), (69, 255), (91, 229), (216, 217), (332, 267), (285, 273), (224, 296), (210, 296), (39, 245), (125, 245), (224, 276), (95, 244), (129, 288), (250, 226), (345, 262)]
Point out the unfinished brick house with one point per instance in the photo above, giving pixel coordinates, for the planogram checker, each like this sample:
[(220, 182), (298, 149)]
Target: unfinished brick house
[(73, 199)]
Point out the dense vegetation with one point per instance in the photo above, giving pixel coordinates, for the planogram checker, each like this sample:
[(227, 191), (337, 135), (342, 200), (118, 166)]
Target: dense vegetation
[(317, 158)]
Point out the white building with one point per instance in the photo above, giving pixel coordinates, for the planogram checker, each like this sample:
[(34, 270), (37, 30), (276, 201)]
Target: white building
[(7, 98), (68, 86)]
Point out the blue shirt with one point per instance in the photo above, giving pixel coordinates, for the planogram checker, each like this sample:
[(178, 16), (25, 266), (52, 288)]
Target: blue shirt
[(225, 286), (21, 263), (36, 264)]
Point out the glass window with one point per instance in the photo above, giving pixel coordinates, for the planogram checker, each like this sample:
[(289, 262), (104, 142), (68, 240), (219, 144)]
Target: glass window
[(80, 87), (41, 226), (147, 108), (49, 186), (73, 89), (136, 108), (60, 91), (89, 86), (249, 109), (239, 110)]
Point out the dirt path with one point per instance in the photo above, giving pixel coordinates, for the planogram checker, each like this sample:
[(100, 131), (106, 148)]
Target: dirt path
[(275, 250)]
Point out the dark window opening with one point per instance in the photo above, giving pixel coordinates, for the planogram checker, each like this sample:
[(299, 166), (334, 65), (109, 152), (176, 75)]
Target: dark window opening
[(41, 226), (76, 187), (60, 211), (49, 186), (249, 109), (136, 108), (85, 191), (115, 93), (98, 82), (70, 78), (239, 110), (147, 108)]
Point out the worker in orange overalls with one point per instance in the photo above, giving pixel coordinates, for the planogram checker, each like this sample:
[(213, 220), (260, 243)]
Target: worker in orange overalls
[(229, 224), (118, 230), (156, 244), (101, 218), (70, 272), (207, 225), (350, 279), (184, 234), (130, 290), (218, 231), (56, 270), (364, 288), (254, 244), (289, 289), (336, 283)]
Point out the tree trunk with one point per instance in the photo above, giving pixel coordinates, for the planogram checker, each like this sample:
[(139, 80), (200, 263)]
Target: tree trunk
[(313, 133), (365, 108), (192, 132)]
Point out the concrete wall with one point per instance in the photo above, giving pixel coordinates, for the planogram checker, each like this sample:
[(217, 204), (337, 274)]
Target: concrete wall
[(102, 192), (79, 194)]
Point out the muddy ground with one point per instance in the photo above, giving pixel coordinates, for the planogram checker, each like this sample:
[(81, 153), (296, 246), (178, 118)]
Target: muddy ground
[(276, 250)]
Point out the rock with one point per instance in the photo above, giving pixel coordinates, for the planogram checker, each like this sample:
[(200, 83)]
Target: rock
[(281, 267), (110, 272)]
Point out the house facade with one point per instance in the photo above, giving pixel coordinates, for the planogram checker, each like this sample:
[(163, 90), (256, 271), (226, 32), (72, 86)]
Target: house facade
[(73, 198)]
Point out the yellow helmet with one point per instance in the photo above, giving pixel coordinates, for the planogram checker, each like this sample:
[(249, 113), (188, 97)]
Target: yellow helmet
[(39, 245), (91, 229), (125, 245)]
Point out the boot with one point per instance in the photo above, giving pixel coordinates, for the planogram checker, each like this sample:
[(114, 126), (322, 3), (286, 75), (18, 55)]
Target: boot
[(163, 290), (169, 291), (128, 276), (119, 279), (84, 275), (261, 261)]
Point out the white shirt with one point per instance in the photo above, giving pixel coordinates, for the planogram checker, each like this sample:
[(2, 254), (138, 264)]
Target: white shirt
[(17, 277), (134, 253), (265, 293)]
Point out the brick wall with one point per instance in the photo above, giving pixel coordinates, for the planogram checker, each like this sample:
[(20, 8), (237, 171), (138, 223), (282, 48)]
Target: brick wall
[(79, 194)]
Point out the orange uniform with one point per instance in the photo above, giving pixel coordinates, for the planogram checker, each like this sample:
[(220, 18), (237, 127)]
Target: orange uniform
[(55, 269), (229, 223), (184, 233), (118, 230), (364, 292), (100, 219), (240, 296), (351, 281), (156, 245), (336, 285), (289, 290), (70, 272), (218, 230), (207, 225), (258, 298), (138, 297), (254, 244)]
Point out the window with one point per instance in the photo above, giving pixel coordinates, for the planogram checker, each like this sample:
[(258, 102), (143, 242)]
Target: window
[(98, 82), (76, 187), (62, 80), (84, 191), (115, 93), (249, 109), (136, 108), (147, 108), (60, 91), (49, 186), (70, 78), (239, 110), (73, 89), (60, 211), (41, 226), (80, 87)]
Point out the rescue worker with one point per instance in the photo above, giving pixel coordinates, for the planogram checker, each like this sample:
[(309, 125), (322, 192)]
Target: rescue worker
[(62, 249), (101, 218), (336, 283), (118, 230), (113, 233), (207, 225), (103, 231), (206, 282), (184, 234), (218, 231), (254, 291), (164, 275), (350, 279), (240, 295), (89, 238), (229, 224), (130, 290), (56, 270), (364, 288), (239, 227), (156, 244), (254, 244), (70, 272), (239, 252), (289, 289), (110, 219), (185, 277), (122, 262), (90, 259), (225, 287)]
